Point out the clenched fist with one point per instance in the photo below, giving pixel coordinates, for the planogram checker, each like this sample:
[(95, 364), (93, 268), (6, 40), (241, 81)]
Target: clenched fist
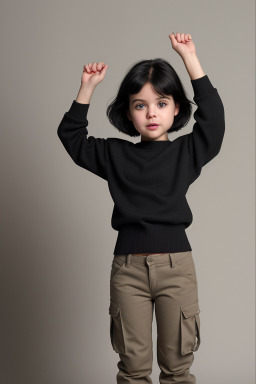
[(182, 43), (93, 73)]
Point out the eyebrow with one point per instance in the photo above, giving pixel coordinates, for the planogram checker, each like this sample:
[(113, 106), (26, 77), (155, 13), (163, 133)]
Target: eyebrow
[(162, 97)]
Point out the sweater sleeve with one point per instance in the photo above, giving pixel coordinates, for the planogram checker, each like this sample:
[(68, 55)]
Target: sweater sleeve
[(87, 152), (205, 141)]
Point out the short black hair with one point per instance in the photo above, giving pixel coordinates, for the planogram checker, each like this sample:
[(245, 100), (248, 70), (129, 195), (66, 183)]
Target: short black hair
[(165, 81)]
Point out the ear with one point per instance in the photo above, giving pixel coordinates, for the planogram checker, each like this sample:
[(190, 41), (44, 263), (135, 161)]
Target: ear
[(177, 109)]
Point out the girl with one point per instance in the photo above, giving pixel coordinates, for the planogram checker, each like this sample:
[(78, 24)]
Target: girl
[(148, 181)]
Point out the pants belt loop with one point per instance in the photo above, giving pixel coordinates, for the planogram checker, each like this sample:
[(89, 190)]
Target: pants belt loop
[(128, 260), (172, 257)]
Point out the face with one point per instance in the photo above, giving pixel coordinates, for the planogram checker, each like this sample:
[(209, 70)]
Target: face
[(148, 107)]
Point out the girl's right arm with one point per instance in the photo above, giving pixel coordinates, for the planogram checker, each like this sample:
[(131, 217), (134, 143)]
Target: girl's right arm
[(93, 74), (87, 152), (85, 94)]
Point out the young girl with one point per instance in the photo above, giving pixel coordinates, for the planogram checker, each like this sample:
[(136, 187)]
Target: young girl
[(148, 181)]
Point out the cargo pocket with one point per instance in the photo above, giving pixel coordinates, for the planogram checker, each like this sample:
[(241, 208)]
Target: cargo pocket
[(116, 328), (190, 328)]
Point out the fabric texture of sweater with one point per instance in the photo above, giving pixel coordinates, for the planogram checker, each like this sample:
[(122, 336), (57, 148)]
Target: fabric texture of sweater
[(148, 180)]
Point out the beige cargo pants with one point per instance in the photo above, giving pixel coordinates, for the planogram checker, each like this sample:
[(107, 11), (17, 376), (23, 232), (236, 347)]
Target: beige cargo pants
[(137, 283)]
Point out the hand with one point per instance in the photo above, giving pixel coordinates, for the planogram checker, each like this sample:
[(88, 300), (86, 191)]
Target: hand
[(182, 43), (93, 73)]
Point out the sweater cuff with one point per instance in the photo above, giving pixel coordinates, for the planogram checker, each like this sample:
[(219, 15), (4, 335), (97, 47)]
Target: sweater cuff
[(79, 110), (202, 85)]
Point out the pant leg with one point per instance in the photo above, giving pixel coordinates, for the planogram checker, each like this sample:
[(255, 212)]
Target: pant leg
[(131, 314), (177, 317)]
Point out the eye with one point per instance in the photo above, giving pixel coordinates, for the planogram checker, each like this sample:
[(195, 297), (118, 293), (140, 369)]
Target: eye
[(138, 105)]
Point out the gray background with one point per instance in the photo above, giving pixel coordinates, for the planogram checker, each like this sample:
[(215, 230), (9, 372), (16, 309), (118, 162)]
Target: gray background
[(57, 240)]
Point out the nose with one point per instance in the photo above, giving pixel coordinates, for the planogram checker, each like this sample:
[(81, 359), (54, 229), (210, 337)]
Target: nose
[(151, 113)]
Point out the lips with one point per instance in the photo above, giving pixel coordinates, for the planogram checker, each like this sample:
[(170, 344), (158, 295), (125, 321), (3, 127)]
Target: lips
[(152, 125)]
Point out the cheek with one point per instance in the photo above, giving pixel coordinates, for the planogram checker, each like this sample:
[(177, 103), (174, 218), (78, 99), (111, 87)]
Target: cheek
[(138, 118), (169, 115)]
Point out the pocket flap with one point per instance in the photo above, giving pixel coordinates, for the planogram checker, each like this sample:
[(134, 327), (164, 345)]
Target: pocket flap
[(190, 310), (114, 309)]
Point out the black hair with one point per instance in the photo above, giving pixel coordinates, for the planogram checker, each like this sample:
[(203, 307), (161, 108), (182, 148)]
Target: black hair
[(165, 81)]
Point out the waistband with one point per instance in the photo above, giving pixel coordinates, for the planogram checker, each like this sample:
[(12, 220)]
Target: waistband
[(158, 258)]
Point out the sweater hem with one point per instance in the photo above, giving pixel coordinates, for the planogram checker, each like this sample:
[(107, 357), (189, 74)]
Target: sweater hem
[(152, 239)]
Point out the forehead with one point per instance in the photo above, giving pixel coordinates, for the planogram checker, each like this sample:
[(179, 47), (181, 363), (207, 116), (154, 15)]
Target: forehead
[(147, 93)]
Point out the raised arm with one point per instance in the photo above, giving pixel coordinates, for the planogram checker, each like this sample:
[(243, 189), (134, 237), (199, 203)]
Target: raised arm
[(87, 152), (205, 141)]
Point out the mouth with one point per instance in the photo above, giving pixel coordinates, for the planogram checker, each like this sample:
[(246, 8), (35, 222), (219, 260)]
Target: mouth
[(152, 126)]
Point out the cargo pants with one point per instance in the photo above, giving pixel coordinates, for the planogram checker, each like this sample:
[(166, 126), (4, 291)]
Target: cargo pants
[(137, 283)]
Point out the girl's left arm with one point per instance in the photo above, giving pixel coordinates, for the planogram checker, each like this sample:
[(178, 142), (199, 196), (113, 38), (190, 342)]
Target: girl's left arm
[(193, 66), (205, 141), (183, 44)]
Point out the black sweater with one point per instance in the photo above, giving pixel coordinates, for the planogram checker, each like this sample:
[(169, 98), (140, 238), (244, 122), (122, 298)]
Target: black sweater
[(148, 180)]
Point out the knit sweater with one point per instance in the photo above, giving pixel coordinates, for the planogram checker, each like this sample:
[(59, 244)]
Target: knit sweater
[(148, 180)]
